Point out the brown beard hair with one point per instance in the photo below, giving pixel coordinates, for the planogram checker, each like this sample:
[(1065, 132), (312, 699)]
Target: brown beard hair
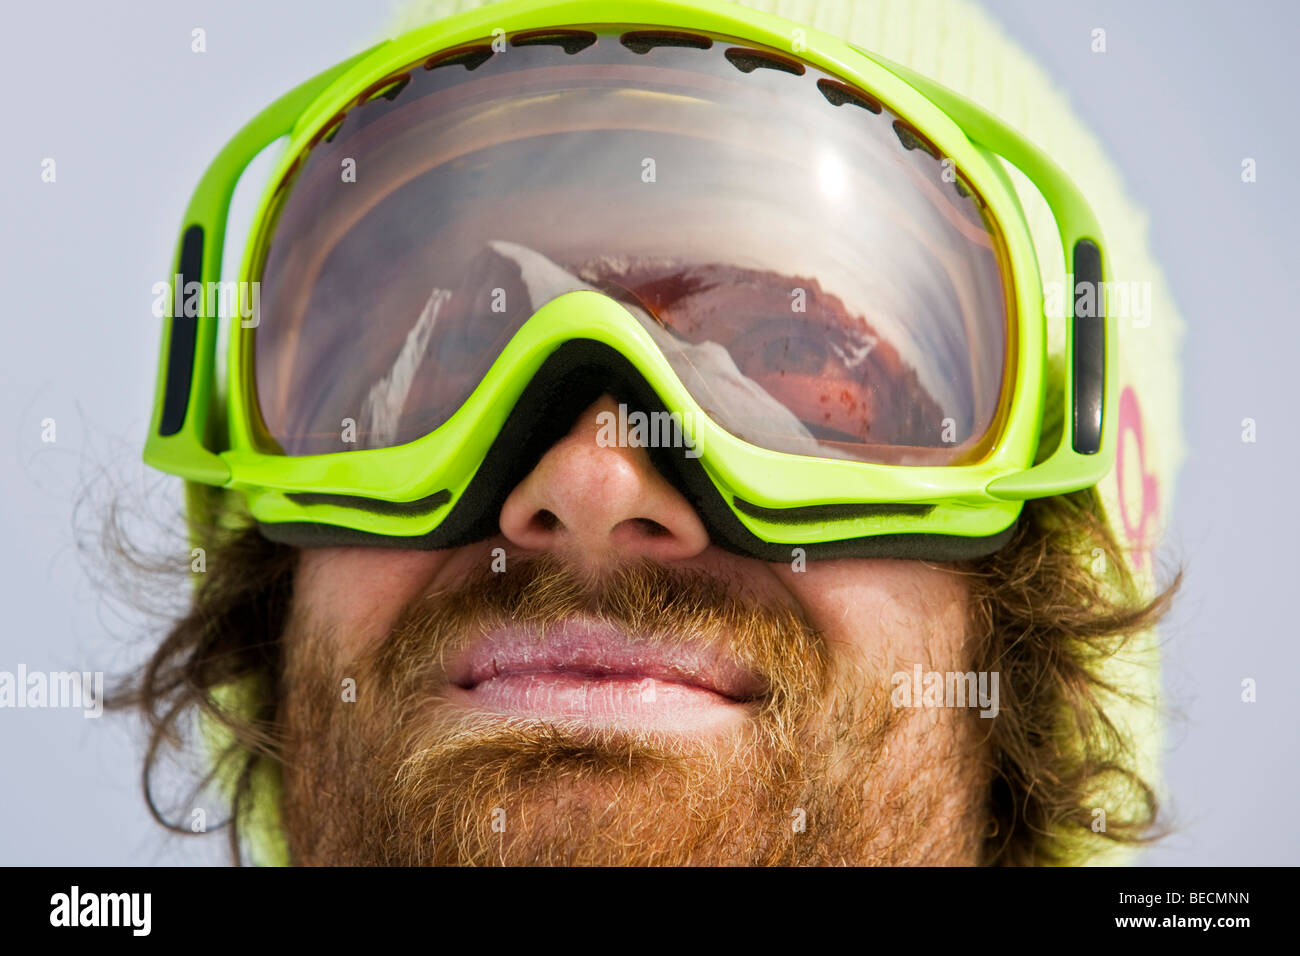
[(1039, 617), (414, 782)]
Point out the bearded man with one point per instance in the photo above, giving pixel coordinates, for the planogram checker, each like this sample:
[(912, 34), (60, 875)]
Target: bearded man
[(656, 444)]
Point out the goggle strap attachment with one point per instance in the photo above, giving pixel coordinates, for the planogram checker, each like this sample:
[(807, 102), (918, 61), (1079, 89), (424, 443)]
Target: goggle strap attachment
[(183, 338), (1089, 352)]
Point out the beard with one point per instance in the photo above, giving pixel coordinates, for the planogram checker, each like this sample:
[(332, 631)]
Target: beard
[(824, 770)]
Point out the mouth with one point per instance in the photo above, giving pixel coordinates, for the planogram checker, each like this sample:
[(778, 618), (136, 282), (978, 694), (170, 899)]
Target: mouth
[(598, 675)]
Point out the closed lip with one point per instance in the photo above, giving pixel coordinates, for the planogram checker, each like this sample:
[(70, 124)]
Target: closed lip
[(592, 651)]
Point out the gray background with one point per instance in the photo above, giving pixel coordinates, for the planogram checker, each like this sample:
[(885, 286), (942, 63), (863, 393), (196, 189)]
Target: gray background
[(131, 116)]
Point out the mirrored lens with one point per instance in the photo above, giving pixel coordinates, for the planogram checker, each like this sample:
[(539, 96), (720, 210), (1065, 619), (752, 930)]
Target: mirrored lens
[(817, 277)]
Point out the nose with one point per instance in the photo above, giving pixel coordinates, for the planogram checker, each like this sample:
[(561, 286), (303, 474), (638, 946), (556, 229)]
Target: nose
[(600, 502)]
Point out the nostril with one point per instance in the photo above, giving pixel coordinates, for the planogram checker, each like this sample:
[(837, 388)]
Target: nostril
[(545, 520), (651, 529)]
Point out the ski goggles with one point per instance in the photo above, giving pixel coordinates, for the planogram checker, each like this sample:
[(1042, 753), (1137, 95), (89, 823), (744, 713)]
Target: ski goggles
[(802, 271)]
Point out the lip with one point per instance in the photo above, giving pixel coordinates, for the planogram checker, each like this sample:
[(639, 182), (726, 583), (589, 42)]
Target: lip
[(600, 675)]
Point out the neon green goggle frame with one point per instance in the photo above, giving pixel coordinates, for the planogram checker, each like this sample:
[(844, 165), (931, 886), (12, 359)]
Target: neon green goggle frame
[(428, 492)]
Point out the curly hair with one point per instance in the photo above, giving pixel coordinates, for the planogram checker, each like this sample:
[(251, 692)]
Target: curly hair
[(1047, 611)]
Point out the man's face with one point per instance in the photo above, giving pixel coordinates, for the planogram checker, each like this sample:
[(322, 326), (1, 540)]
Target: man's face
[(610, 687)]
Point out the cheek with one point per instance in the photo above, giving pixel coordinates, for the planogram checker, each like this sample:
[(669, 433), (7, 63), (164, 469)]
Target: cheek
[(884, 614), (357, 593)]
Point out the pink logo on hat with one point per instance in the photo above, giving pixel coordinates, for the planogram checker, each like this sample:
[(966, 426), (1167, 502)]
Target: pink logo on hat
[(1130, 420)]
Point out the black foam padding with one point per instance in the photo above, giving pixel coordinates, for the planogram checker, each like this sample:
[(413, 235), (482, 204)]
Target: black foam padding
[(568, 383), (747, 61), (1089, 350), (420, 506), (571, 41), (471, 59), (185, 329), (911, 139), (837, 94), (803, 514), (643, 41), (392, 92)]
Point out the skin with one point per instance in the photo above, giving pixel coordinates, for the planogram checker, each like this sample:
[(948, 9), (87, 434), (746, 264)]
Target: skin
[(596, 506)]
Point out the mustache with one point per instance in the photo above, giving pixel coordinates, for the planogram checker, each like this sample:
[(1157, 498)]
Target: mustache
[(653, 603)]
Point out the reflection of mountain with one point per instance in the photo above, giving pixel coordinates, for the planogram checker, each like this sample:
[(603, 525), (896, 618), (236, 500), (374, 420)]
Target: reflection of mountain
[(724, 303)]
